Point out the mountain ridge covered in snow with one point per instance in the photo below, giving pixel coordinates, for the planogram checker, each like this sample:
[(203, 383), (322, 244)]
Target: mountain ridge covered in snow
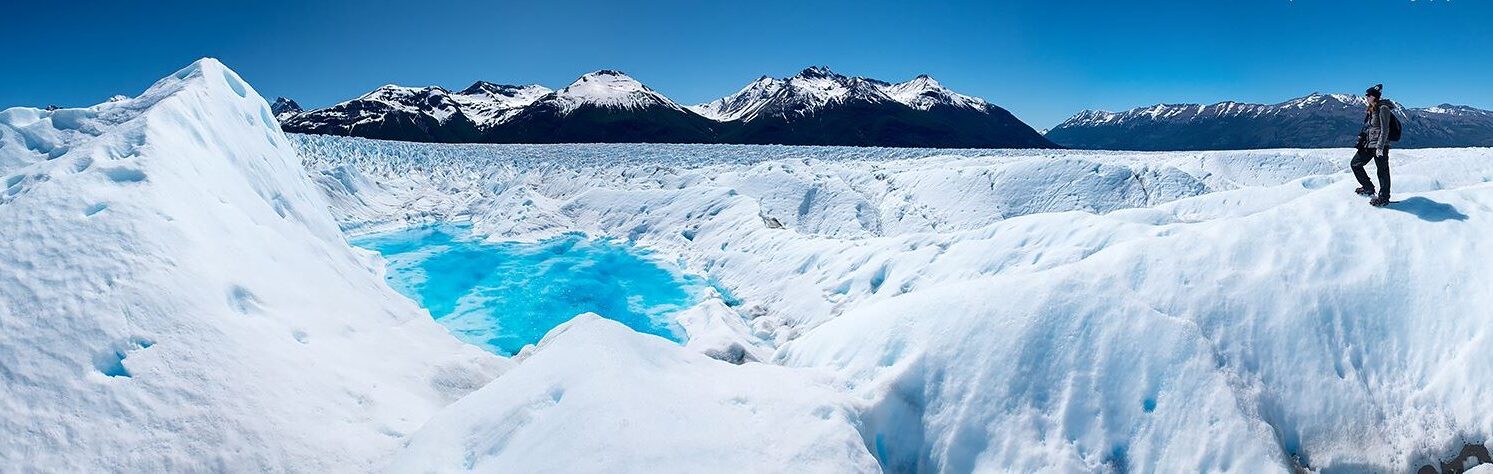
[(1312, 121), (815, 107), (284, 108), (821, 107), (602, 106), (817, 86)]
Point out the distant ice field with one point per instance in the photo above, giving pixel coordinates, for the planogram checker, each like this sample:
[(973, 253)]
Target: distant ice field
[(832, 191)]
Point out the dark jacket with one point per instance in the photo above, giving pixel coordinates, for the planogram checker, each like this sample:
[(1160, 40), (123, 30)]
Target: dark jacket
[(1374, 134)]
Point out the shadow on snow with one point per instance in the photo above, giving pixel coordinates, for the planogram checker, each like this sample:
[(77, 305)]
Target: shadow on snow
[(1428, 210)]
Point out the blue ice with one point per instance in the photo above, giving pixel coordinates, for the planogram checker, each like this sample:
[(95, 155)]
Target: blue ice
[(502, 296)]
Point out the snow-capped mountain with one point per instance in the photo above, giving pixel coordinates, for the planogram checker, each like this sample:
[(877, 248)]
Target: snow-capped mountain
[(391, 112), (925, 93), (820, 107), (284, 108), (603, 106), (815, 107), (489, 104), (743, 103), (609, 89), (817, 87), (1315, 121), (429, 114)]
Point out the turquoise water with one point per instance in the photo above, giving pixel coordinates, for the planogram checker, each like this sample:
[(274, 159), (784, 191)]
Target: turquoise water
[(502, 296)]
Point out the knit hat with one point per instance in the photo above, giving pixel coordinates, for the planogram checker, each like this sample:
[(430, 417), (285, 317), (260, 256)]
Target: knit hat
[(1377, 91)]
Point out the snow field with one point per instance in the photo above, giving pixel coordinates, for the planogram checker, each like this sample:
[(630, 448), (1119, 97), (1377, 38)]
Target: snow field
[(597, 397), (1040, 310)]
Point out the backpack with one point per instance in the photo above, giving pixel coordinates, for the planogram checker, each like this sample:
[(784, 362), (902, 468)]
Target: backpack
[(1393, 132)]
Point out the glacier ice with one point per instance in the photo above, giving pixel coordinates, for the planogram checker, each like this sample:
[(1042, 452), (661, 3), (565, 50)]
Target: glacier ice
[(1020, 310), (596, 397), (174, 296)]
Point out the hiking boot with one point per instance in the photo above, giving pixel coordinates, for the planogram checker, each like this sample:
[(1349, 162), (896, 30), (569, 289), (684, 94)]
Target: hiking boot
[(1364, 191), (1379, 201)]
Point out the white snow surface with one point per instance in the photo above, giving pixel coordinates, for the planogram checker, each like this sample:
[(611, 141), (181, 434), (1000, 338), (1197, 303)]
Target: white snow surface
[(175, 297), (594, 396), (1017, 310)]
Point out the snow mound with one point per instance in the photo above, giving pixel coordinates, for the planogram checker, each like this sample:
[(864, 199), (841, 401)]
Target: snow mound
[(1318, 332), (595, 396), (175, 297)]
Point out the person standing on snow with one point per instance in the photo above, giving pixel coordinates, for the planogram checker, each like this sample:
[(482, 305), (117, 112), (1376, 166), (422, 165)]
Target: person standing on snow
[(1373, 144)]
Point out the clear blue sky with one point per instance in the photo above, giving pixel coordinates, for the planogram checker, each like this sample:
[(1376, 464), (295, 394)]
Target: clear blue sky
[(1043, 60)]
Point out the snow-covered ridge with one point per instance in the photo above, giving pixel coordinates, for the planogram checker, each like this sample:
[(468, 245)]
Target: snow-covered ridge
[(1314, 120), (924, 92), (827, 109), (608, 89), (484, 104), (509, 96), (174, 296), (1311, 101), (817, 87), (1457, 110), (741, 104), (432, 100), (489, 104), (283, 108)]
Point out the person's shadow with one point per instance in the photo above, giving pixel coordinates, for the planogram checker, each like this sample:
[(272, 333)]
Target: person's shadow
[(1428, 210)]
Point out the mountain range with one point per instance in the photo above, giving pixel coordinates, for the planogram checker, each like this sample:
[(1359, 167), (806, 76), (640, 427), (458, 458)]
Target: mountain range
[(815, 107), (1313, 121)]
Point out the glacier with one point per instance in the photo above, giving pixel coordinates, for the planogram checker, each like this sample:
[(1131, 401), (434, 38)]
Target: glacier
[(1022, 310), (179, 294)]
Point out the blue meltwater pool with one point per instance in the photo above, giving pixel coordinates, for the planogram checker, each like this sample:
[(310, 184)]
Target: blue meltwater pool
[(502, 296)]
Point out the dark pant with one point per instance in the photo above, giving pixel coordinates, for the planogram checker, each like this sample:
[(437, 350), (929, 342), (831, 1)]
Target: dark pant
[(1382, 162)]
